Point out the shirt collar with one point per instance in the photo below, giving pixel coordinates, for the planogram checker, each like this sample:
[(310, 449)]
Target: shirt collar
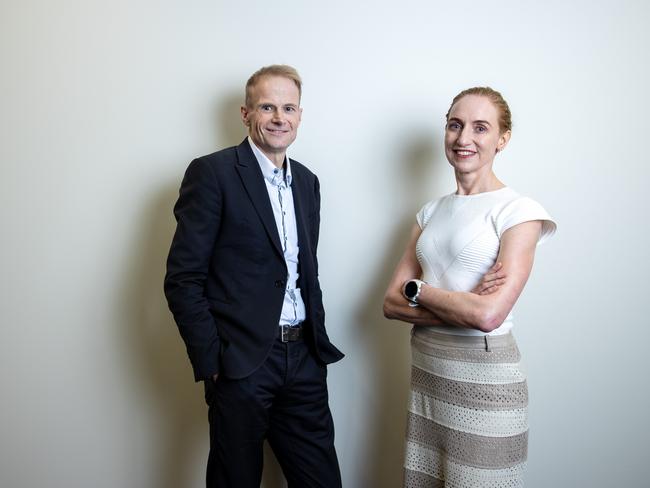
[(271, 173)]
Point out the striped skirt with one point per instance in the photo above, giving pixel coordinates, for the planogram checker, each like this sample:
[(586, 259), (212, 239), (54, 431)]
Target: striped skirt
[(467, 419)]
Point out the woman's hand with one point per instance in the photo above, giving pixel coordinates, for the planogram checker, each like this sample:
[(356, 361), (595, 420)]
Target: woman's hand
[(491, 280)]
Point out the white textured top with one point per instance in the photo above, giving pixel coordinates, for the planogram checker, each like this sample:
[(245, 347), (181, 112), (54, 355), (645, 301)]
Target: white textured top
[(460, 240)]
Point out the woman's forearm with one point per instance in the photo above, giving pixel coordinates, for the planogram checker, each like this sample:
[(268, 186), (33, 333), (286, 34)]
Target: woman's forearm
[(462, 309), (396, 307)]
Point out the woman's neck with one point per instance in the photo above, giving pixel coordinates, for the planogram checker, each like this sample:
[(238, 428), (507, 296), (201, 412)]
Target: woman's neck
[(471, 183)]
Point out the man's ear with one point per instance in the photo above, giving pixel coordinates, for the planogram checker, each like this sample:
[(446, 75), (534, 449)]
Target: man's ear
[(244, 115)]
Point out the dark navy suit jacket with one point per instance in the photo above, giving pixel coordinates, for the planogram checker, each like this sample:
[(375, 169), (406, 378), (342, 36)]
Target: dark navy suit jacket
[(226, 274)]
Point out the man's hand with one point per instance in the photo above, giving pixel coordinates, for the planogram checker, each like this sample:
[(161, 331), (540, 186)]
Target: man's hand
[(491, 280)]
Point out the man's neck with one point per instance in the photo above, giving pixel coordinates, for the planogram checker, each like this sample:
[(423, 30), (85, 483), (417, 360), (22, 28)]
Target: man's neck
[(277, 159)]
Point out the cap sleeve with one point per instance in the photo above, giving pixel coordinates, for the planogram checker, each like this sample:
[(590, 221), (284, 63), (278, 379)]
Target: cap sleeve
[(524, 209), (424, 215)]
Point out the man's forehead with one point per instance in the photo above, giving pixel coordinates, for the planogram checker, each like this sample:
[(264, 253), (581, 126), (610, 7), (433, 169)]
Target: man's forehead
[(271, 84)]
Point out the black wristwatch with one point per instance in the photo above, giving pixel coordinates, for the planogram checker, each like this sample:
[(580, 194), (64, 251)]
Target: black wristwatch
[(412, 290)]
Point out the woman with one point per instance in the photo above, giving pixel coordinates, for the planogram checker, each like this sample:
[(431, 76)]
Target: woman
[(473, 251)]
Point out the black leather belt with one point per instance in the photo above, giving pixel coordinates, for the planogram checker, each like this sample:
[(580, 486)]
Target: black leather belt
[(287, 333)]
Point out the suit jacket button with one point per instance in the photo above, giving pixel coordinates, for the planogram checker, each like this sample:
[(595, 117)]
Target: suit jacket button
[(280, 284)]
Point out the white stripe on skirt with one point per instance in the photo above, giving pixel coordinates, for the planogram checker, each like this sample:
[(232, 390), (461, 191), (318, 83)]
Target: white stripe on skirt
[(494, 423), (485, 373)]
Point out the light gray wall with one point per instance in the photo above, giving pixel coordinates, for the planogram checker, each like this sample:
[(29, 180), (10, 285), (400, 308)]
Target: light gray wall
[(102, 106)]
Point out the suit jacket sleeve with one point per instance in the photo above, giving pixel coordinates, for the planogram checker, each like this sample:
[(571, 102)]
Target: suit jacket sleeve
[(198, 215), (326, 351), (315, 229)]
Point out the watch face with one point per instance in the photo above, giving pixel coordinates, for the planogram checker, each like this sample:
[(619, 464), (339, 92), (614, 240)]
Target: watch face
[(411, 289)]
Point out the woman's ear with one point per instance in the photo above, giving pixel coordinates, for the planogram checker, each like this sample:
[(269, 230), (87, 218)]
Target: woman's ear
[(503, 140)]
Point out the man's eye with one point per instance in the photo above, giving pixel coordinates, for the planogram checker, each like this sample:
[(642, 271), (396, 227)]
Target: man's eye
[(290, 109), (453, 126), (266, 108)]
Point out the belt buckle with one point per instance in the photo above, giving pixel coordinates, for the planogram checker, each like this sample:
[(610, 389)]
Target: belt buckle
[(284, 336), (290, 334)]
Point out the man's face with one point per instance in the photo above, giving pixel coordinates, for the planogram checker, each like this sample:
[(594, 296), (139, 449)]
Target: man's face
[(273, 116)]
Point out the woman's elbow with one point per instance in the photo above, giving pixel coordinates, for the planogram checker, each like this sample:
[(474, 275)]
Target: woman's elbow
[(389, 309), (388, 313), (488, 320)]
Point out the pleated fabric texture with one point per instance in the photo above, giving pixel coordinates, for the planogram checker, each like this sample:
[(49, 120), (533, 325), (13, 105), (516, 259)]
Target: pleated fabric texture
[(467, 419)]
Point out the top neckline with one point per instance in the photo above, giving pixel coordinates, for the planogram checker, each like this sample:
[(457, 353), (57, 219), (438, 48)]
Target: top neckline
[(477, 195)]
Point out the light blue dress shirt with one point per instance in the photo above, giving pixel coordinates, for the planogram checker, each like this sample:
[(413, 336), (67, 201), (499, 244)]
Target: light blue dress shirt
[(278, 184)]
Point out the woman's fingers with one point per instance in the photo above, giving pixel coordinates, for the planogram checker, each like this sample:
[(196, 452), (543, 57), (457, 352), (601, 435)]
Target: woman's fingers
[(491, 280)]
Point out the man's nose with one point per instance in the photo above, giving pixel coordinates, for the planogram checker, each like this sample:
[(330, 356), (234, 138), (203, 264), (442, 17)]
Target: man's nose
[(278, 116)]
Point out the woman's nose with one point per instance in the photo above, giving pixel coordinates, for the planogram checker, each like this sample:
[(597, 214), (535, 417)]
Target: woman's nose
[(464, 136)]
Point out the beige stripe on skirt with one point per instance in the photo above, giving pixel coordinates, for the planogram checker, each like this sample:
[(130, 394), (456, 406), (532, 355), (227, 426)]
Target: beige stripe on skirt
[(467, 419)]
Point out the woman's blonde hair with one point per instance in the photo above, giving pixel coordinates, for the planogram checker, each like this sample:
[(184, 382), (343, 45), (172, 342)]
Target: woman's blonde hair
[(505, 117)]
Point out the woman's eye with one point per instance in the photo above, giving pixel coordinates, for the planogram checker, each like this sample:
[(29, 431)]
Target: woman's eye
[(453, 126), (480, 129)]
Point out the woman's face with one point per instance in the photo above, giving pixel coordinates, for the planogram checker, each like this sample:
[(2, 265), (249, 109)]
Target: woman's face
[(472, 134)]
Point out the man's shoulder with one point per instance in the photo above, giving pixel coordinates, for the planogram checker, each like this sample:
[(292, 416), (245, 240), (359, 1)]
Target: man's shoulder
[(219, 164), (298, 167), (223, 156)]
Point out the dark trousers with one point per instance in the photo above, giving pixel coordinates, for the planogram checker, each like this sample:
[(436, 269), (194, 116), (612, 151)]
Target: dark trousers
[(285, 401)]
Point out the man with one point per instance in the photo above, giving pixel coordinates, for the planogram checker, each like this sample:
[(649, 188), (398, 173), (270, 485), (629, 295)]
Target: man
[(242, 283)]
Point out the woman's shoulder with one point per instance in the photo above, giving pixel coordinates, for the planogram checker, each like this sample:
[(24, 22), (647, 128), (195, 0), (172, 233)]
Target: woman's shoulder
[(429, 208), (511, 201), (514, 208)]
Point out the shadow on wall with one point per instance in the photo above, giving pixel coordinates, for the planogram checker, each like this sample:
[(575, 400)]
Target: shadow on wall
[(388, 341), (231, 130), (158, 354), (158, 357)]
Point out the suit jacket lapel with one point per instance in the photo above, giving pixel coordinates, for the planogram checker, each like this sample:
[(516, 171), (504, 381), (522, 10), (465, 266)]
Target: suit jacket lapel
[(251, 175), (299, 203)]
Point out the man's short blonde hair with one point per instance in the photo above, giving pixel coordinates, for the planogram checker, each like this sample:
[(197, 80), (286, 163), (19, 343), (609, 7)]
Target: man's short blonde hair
[(282, 70)]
